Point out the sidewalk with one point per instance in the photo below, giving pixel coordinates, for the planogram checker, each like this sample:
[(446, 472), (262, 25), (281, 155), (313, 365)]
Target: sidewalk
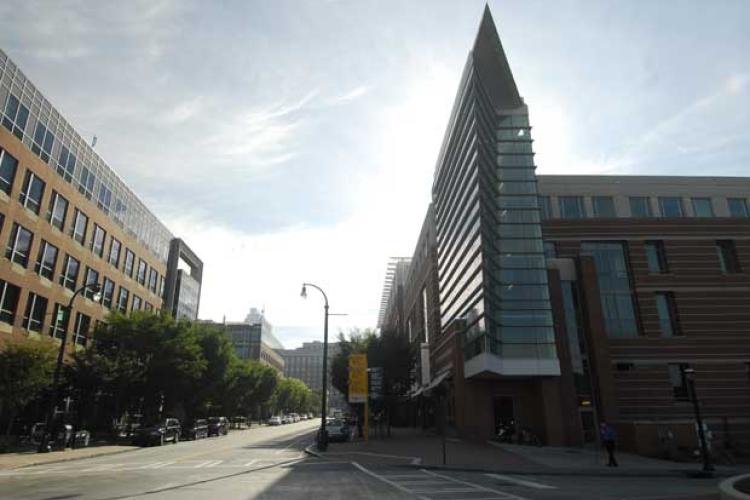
[(26, 458), (414, 447)]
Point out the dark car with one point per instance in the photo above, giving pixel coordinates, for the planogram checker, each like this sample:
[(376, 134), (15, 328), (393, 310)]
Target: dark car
[(158, 433), (218, 426), (197, 429)]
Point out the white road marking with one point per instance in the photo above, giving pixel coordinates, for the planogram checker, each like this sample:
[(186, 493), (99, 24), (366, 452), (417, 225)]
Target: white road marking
[(159, 465), (385, 480), (473, 485), (414, 460), (522, 482), (214, 463), (251, 462)]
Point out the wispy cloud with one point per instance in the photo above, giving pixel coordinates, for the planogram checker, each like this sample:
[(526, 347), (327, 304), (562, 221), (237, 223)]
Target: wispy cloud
[(349, 96)]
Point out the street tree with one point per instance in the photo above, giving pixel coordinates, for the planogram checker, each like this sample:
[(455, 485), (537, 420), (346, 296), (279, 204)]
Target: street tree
[(25, 372)]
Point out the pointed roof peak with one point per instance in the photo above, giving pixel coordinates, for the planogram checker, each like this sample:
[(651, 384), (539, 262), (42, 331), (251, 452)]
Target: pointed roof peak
[(492, 65)]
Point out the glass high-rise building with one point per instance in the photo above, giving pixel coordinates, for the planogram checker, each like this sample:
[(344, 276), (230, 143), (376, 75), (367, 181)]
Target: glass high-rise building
[(491, 264)]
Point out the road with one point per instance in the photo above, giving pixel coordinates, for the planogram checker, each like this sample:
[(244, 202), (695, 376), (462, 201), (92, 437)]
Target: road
[(269, 462)]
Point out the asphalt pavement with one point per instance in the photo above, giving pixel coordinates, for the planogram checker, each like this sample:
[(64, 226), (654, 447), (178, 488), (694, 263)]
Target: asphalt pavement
[(270, 462)]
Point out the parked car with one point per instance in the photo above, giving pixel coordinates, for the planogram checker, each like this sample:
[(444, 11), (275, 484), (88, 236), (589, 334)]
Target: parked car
[(338, 429), (218, 426), (158, 433), (197, 429), (295, 417), (275, 420), (240, 423), (286, 419), (303, 416)]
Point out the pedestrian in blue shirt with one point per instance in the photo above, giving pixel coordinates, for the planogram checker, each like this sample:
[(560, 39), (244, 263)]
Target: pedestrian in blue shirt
[(609, 438)]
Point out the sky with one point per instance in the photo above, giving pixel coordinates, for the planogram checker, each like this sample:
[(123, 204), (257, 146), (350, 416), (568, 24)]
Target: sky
[(291, 141)]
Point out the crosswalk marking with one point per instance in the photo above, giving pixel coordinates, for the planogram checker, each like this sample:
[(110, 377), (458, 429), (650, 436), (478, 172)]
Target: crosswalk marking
[(501, 494), (521, 482)]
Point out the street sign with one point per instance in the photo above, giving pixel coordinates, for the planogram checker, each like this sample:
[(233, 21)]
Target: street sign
[(357, 378), (376, 383)]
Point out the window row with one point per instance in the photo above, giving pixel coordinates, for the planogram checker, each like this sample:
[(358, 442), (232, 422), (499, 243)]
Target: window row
[(18, 251), (726, 253), (574, 207)]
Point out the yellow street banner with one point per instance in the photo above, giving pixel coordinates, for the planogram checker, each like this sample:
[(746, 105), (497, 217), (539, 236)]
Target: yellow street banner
[(357, 378)]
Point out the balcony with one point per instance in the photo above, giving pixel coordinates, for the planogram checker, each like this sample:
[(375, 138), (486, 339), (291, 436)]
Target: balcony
[(485, 356)]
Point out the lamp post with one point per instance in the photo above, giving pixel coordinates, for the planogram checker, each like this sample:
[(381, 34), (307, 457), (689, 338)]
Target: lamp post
[(690, 377), (44, 441), (323, 434)]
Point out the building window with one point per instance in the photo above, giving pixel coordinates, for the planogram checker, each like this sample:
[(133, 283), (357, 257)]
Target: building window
[(9, 295), (92, 277), (32, 192), (43, 140), (114, 252), (19, 245), (656, 257), (604, 206), (545, 206), (58, 210), (148, 307), (105, 198), (141, 276), (152, 279), (667, 310), (46, 260), (615, 290), (161, 286), (136, 306), (86, 183), (80, 224), (702, 207), (8, 167), (36, 308), (640, 206), (679, 381), (69, 275), (671, 206), (571, 207), (129, 261), (81, 329), (728, 261), (122, 300), (16, 116), (59, 323), (550, 251), (738, 207), (66, 164), (108, 292), (97, 240), (625, 367), (426, 316)]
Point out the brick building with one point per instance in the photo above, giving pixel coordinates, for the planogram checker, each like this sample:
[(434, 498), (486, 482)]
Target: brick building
[(554, 302), (68, 220)]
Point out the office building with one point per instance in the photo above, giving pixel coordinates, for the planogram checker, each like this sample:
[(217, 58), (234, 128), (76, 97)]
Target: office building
[(306, 363), (254, 339), (67, 220), (567, 300), (183, 285)]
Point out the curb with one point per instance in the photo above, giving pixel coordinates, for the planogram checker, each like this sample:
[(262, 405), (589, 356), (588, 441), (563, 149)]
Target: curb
[(640, 473), (68, 459), (313, 451), (727, 491)]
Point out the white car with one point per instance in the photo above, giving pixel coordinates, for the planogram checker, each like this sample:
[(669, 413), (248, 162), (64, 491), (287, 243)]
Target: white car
[(276, 420)]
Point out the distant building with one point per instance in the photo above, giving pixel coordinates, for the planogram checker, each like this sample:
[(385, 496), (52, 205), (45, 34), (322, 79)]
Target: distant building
[(184, 275), (253, 339), (306, 364)]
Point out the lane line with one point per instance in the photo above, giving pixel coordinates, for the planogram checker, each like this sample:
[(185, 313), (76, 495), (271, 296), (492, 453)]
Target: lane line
[(251, 462), (214, 463), (522, 482), (387, 481), (474, 485)]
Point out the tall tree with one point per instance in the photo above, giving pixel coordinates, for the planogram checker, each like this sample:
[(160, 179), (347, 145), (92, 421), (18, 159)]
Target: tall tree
[(25, 371)]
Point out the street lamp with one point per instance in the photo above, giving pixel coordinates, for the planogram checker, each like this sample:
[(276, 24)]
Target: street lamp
[(323, 434), (690, 377), (52, 406)]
